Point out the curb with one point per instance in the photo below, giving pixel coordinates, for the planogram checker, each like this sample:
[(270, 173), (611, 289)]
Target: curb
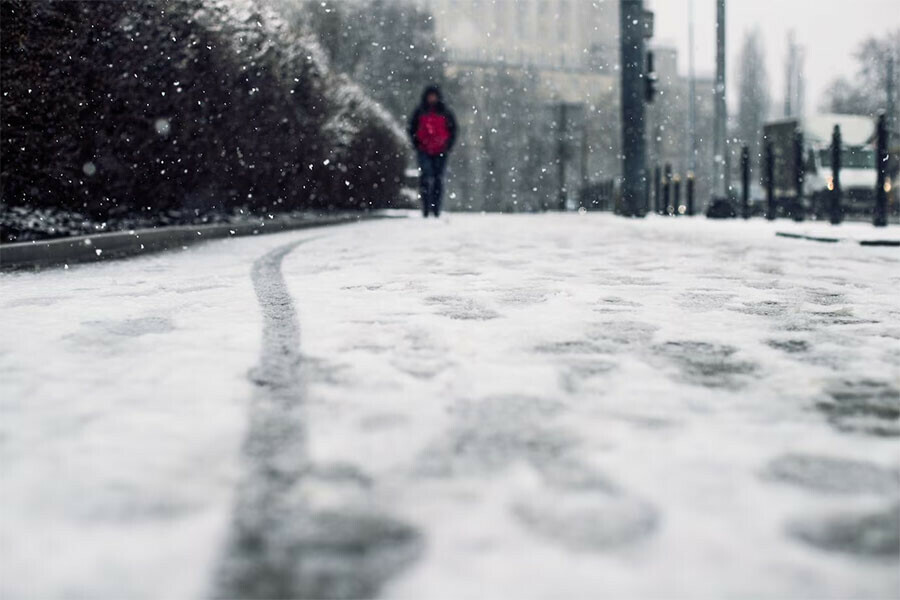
[(891, 243), (831, 240), (123, 244)]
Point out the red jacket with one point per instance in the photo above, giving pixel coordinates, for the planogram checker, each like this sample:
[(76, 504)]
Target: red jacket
[(432, 129)]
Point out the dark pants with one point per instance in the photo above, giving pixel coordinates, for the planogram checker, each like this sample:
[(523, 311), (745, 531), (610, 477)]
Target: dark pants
[(431, 182)]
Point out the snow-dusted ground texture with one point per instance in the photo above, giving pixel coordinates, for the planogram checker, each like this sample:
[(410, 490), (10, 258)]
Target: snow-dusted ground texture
[(488, 407)]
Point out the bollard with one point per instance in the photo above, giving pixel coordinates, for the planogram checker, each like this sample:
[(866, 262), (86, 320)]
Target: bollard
[(656, 185), (799, 176), (770, 182), (562, 156), (879, 215), (678, 209), (834, 186), (745, 182), (667, 190), (690, 194)]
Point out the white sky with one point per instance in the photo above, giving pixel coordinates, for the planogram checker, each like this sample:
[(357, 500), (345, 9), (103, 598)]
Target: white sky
[(830, 30)]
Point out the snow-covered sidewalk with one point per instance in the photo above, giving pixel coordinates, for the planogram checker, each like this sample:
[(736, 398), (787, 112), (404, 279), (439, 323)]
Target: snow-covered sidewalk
[(490, 406)]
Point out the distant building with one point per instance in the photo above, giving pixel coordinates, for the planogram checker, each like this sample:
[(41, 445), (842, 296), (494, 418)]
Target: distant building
[(557, 34)]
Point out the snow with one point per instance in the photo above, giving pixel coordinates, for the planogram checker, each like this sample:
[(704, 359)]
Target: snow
[(559, 405), (124, 398)]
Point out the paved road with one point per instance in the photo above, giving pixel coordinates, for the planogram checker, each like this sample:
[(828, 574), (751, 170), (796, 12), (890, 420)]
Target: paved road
[(492, 406)]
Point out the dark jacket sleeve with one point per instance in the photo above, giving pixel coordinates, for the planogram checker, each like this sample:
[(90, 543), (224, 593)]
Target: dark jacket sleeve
[(451, 125), (414, 126)]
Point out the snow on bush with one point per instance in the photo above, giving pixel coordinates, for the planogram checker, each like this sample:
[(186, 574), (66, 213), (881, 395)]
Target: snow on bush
[(113, 108)]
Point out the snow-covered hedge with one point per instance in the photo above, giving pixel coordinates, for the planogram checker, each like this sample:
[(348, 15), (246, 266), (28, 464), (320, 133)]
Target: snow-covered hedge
[(112, 108)]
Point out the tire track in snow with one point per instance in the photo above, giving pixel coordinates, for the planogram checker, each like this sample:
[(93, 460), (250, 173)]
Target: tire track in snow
[(282, 543)]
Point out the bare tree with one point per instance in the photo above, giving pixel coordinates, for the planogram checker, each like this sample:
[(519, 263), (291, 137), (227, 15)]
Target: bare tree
[(795, 88), (867, 92), (845, 97)]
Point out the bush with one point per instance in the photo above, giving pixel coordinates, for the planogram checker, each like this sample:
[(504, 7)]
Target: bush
[(113, 108)]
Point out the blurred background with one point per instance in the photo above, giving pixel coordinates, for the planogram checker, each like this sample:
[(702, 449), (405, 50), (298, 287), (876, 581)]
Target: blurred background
[(118, 115)]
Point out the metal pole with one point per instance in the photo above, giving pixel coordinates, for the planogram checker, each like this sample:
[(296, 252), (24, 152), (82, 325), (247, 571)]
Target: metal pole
[(634, 145), (879, 217), (692, 105), (667, 190), (690, 194), (891, 108), (726, 173), (797, 211), (645, 208), (657, 176), (561, 157), (584, 151), (745, 182), (676, 193), (837, 214), (770, 182), (719, 135)]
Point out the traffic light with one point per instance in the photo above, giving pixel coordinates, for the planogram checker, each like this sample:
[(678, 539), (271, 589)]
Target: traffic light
[(650, 79)]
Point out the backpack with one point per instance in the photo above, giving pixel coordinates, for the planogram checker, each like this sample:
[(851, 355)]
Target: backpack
[(433, 134)]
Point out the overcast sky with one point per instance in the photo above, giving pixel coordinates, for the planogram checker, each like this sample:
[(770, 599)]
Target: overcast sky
[(830, 30)]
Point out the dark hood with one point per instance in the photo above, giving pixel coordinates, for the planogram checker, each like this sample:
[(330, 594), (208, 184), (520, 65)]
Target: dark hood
[(432, 89)]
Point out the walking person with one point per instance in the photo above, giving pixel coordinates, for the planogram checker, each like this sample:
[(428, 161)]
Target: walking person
[(432, 129)]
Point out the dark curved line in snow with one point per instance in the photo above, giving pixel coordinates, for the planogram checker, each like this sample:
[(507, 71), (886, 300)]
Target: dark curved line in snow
[(279, 545)]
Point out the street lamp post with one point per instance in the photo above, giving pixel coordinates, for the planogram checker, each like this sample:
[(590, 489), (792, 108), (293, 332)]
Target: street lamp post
[(719, 179)]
